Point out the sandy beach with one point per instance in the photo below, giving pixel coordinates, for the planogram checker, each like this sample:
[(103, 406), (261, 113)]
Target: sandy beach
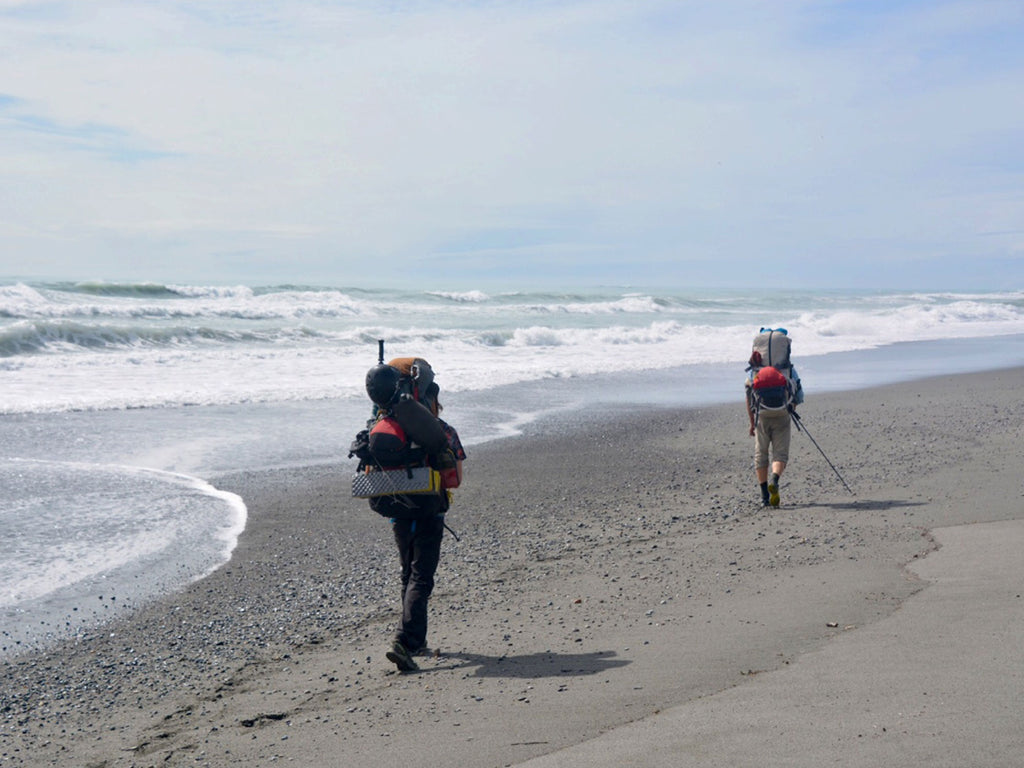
[(617, 596)]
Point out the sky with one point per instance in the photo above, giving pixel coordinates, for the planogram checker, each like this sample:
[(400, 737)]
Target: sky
[(829, 144)]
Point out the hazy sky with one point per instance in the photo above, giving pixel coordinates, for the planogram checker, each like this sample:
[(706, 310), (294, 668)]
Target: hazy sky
[(872, 143)]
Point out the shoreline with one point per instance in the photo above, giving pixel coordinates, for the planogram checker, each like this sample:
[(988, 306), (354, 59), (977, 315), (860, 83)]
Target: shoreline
[(635, 572)]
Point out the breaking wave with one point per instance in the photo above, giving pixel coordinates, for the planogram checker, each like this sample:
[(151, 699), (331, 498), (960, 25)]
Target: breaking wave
[(144, 345)]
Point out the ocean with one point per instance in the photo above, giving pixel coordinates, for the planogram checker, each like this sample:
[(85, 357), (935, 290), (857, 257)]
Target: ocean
[(123, 403)]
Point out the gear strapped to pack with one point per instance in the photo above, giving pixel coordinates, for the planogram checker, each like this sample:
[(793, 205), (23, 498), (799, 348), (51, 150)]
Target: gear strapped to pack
[(771, 392), (406, 450)]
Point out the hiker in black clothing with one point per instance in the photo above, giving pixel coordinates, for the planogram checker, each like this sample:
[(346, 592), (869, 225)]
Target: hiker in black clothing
[(406, 415)]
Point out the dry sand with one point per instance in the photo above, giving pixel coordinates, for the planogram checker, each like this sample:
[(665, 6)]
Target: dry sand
[(608, 573)]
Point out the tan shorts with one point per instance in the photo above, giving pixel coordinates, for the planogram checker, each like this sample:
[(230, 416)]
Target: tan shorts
[(772, 433)]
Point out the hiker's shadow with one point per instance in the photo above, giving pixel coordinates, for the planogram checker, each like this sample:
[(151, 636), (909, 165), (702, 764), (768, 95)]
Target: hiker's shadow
[(535, 665), (864, 505)]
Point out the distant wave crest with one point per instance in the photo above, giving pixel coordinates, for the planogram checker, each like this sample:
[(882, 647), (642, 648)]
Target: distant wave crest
[(95, 301), (32, 337), (464, 296)]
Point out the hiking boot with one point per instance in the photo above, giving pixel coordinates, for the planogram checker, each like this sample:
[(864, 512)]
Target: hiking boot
[(773, 489), (401, 658)]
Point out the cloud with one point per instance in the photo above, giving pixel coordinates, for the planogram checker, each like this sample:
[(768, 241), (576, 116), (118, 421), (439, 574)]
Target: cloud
[(503, 138), (50, 137)]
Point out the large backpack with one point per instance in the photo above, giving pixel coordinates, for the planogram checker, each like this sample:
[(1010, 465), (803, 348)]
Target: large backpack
[(405, 448), (774, 382)]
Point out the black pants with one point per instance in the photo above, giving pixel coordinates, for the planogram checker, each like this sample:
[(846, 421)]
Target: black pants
[(419, 549)]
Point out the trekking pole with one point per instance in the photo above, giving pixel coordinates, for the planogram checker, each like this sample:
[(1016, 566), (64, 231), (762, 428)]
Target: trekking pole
[(453, 533), (800, 428)]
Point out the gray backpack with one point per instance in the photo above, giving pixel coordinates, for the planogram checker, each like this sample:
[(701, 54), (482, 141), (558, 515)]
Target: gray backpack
[(772, 348)]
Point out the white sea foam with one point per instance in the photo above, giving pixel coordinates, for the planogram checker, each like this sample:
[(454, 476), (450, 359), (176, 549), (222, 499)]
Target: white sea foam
[(79, 534)]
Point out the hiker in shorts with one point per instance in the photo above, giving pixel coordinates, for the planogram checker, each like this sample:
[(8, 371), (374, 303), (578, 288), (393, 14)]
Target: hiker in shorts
[(417, 519), (773, 389), (771, 432)]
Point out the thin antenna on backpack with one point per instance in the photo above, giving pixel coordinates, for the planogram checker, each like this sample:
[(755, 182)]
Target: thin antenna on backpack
[(380, 351)]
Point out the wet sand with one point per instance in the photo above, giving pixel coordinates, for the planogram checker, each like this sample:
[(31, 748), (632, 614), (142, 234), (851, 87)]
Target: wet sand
[(608, 572)]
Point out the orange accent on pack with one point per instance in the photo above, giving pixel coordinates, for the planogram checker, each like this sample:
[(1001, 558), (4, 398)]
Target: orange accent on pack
[(391, 427), (769, 377), (404, 364)]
